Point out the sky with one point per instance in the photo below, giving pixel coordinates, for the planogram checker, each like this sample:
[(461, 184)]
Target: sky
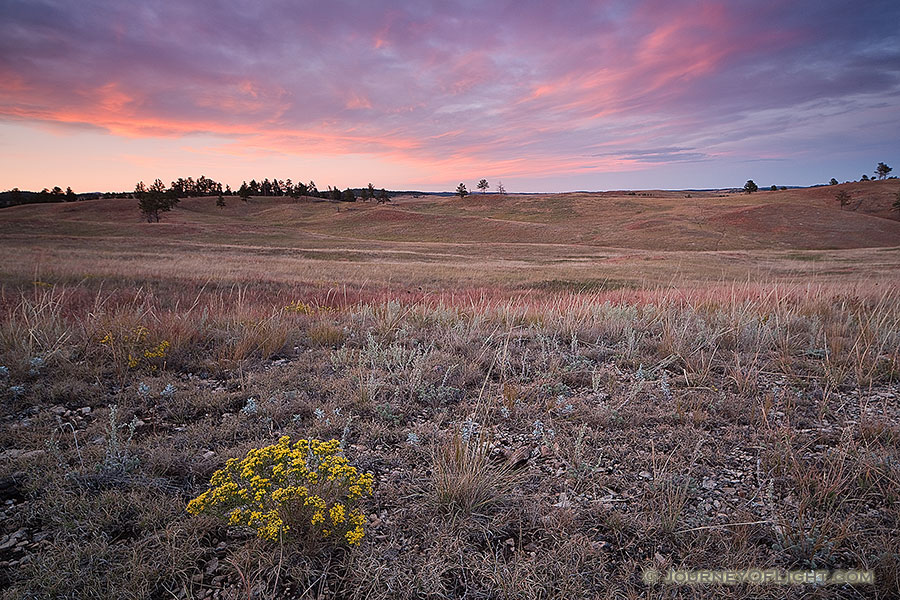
[(410, 94)]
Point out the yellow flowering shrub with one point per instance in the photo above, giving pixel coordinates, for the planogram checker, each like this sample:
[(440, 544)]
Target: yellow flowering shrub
[(305, 491), (300, 307), (134, 348)]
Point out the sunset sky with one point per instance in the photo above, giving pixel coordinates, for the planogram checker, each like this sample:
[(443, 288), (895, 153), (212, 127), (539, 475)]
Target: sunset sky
[(545, 96)]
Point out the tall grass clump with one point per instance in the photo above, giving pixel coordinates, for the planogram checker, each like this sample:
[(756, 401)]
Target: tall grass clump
[(465, 481), (35, 326)]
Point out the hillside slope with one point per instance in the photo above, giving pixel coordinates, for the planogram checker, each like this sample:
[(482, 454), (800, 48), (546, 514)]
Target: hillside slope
[(652, 220)]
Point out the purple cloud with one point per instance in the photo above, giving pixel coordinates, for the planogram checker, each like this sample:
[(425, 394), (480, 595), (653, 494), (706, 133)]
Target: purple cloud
[(516, 88)]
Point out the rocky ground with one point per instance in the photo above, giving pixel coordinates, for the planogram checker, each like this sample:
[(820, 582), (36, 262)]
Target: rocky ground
[(602, 459)]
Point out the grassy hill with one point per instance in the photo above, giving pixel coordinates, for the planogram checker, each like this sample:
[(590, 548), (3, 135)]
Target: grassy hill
[(530, 240), (658, 220)]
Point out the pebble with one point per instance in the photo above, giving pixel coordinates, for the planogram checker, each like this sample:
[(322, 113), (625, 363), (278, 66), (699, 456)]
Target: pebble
[(20, 453), (12, 539), (211, 566)]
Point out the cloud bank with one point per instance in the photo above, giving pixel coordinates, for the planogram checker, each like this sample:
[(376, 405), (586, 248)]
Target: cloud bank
[(520, 90)]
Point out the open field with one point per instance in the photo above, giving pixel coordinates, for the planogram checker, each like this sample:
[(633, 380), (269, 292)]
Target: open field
[(553, 393), (655, 238)]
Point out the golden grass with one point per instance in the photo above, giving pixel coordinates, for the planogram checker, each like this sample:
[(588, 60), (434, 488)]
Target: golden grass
[(575, 242)]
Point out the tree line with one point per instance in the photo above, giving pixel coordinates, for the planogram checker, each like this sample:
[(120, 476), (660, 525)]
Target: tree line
[(56, 194), (285, 187), (157, 198)]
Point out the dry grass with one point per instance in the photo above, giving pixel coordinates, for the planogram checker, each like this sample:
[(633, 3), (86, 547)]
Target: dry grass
[(623, 428), (466, 481), (421, 247), (324, 334), (650, 419)]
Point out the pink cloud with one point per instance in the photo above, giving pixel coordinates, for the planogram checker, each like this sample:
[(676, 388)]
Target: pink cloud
[(549, 89)]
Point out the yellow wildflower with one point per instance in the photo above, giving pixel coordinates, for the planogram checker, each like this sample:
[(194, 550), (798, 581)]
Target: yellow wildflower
[(289, 490)]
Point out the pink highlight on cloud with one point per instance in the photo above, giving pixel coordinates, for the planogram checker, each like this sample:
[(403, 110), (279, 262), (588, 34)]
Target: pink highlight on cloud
[(445, 88)]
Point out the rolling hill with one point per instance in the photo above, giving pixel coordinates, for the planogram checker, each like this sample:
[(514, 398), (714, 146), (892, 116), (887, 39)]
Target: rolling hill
[(800, 219), (438, 242)]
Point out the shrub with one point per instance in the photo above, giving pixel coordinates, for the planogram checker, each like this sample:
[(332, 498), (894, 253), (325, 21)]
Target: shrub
[(135, 349), (305, 492), (300, 307)]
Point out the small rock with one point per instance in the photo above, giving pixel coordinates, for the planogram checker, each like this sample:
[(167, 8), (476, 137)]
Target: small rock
[(211, 566), (12, 539), (563, 501)]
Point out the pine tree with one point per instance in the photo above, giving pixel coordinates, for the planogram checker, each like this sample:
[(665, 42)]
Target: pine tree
[(244, 192), (155, 199), (843, 198)]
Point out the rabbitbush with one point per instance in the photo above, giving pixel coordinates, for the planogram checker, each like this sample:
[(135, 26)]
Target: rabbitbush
[(306, 491), (135, 348)]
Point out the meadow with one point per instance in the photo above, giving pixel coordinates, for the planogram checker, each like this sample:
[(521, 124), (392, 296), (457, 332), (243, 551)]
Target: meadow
[(553, 394)]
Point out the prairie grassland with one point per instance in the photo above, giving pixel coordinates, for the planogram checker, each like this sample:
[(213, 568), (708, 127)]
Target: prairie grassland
[(436, 268), (542, 420), (605, 241), (553, 444)]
